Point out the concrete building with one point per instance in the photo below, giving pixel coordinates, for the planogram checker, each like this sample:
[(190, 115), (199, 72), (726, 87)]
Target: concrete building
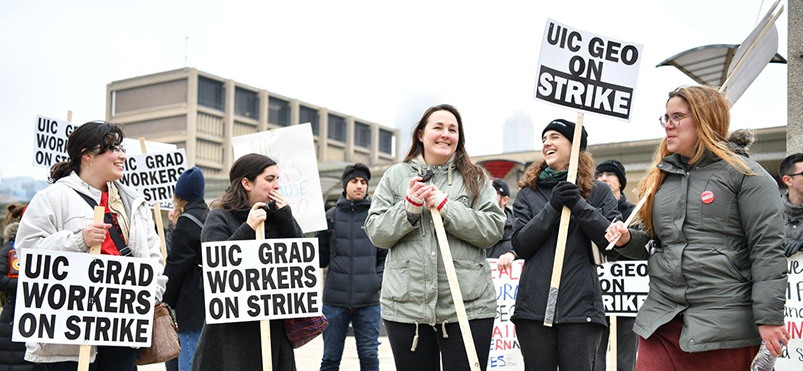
[(201, 112)]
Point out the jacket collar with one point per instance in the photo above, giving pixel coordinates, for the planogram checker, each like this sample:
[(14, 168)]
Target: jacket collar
[(678, 164), (421, 167), (345, 203), (792, 212)]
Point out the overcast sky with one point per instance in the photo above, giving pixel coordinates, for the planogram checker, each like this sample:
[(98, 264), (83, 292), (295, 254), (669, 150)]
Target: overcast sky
[(377, 60)]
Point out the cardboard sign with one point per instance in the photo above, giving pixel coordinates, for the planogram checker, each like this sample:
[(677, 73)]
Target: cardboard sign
[(83, 299), (50, 144), (587, 72), (505, 349), (625, 285), (261, 279), (154, 175), (132, 146), (792, 356), (293, 149)]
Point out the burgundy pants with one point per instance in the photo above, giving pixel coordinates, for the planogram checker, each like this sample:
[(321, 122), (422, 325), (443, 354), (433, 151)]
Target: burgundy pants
[(661, 352)]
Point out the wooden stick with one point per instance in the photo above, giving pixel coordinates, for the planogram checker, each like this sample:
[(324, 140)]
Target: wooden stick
[(630, 218), (264, 325), (563, 232), (751, 47), (85, 353), (454, 287), (157, 214), (612, 356)]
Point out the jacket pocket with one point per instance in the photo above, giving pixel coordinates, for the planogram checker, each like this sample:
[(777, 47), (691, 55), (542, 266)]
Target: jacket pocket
[(473, 278), (737, 262), (396, 281)]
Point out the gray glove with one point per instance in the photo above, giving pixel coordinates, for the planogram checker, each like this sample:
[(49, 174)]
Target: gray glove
[(792, 247)]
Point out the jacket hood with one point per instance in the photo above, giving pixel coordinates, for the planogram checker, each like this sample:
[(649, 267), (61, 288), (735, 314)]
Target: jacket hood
[(10, 232), (792, 212)]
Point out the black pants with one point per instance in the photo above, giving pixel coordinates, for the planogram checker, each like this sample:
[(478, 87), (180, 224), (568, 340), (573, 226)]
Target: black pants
[(572, 346), (108, 358), (432, 347), (626, 346)]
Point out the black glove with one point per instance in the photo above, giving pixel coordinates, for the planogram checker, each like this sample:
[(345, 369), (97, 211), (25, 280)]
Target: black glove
[(792, 247), (564, 194)]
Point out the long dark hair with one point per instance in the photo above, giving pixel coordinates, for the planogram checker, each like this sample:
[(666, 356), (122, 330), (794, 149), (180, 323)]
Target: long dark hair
[(249, 167), (94, 136), (473, 175)]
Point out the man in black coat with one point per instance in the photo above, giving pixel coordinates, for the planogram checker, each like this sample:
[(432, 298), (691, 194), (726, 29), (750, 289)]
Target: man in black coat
[(351, 290), (612, 173), (503, 197)]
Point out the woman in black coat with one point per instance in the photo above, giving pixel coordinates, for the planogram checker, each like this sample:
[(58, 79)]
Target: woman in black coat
[(579, 318), (185, 292), (254, 186), (12, 355)]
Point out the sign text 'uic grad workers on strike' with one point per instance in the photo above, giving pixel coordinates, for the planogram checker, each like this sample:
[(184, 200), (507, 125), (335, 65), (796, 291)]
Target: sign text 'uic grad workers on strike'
[(253, 280), (50, 144), (154, 175), (83, 299), (587, 72)]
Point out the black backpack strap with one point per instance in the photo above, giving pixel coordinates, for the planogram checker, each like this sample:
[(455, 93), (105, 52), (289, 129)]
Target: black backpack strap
[(194, 219), (115, 231)]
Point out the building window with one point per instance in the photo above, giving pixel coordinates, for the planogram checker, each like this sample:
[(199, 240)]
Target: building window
[(386, 141), (337, 128), (211, 93), (278, 112), (306, 114), (246, 103), (362, 135)]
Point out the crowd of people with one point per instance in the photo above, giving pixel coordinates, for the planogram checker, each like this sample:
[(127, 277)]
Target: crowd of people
[(713, 230)]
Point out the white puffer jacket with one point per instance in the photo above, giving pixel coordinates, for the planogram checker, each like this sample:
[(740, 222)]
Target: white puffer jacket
[(54, 221)]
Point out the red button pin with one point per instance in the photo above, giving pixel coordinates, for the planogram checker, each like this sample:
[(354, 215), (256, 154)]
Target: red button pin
[(707, 197)]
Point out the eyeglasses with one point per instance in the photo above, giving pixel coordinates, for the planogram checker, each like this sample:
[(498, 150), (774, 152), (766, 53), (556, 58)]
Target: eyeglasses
[(118, 149), (674, 119), (792, 175)]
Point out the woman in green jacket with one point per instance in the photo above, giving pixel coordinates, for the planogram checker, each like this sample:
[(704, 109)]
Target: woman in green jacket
[(416, 301), (714, 224)]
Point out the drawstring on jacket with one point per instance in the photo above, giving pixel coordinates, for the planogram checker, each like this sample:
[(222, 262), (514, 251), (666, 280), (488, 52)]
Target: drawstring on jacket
[(415, 338), (443, 327)]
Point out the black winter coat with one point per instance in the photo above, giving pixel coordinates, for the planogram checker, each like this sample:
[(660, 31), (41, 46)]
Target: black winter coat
[(12, 355), (504, 244), (355, 264), (184, 291), (535, 236), (236, 346)]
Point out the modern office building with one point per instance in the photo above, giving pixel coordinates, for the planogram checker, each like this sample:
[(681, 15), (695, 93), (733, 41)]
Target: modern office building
[(201, 112)]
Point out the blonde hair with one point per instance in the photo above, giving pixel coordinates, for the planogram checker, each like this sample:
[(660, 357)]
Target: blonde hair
[(178, 208), (711, 114)]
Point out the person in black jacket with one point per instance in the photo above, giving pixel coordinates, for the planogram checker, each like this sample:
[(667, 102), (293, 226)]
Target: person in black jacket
[(252, 197), (503, 197), (12, 354), (351, 290), (579, 318), (612, 173), (184, 289)]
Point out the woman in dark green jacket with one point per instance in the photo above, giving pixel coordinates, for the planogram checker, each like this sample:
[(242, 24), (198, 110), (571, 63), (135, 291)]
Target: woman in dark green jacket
[(714, 224)]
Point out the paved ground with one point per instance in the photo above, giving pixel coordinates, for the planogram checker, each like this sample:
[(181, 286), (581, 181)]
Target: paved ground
[(308, 357)]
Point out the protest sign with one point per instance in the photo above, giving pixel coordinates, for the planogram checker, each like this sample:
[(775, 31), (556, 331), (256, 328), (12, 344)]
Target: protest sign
[(792, 356), (83, 299), (293, 149), (133, 147), (624, 287), (154, 175), (505, 350), (50, 144), (261, 279), (587, 72)]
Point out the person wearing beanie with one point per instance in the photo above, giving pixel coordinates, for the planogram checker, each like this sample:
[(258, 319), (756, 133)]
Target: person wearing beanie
[(579, 319), (612, 173), (184, 289), (502, 197), (351, 289)]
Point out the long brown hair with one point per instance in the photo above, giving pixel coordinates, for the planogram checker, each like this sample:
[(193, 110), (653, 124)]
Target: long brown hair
[(585, 174), (178, 208), (249, 166), (473, 175), (711, 114)]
